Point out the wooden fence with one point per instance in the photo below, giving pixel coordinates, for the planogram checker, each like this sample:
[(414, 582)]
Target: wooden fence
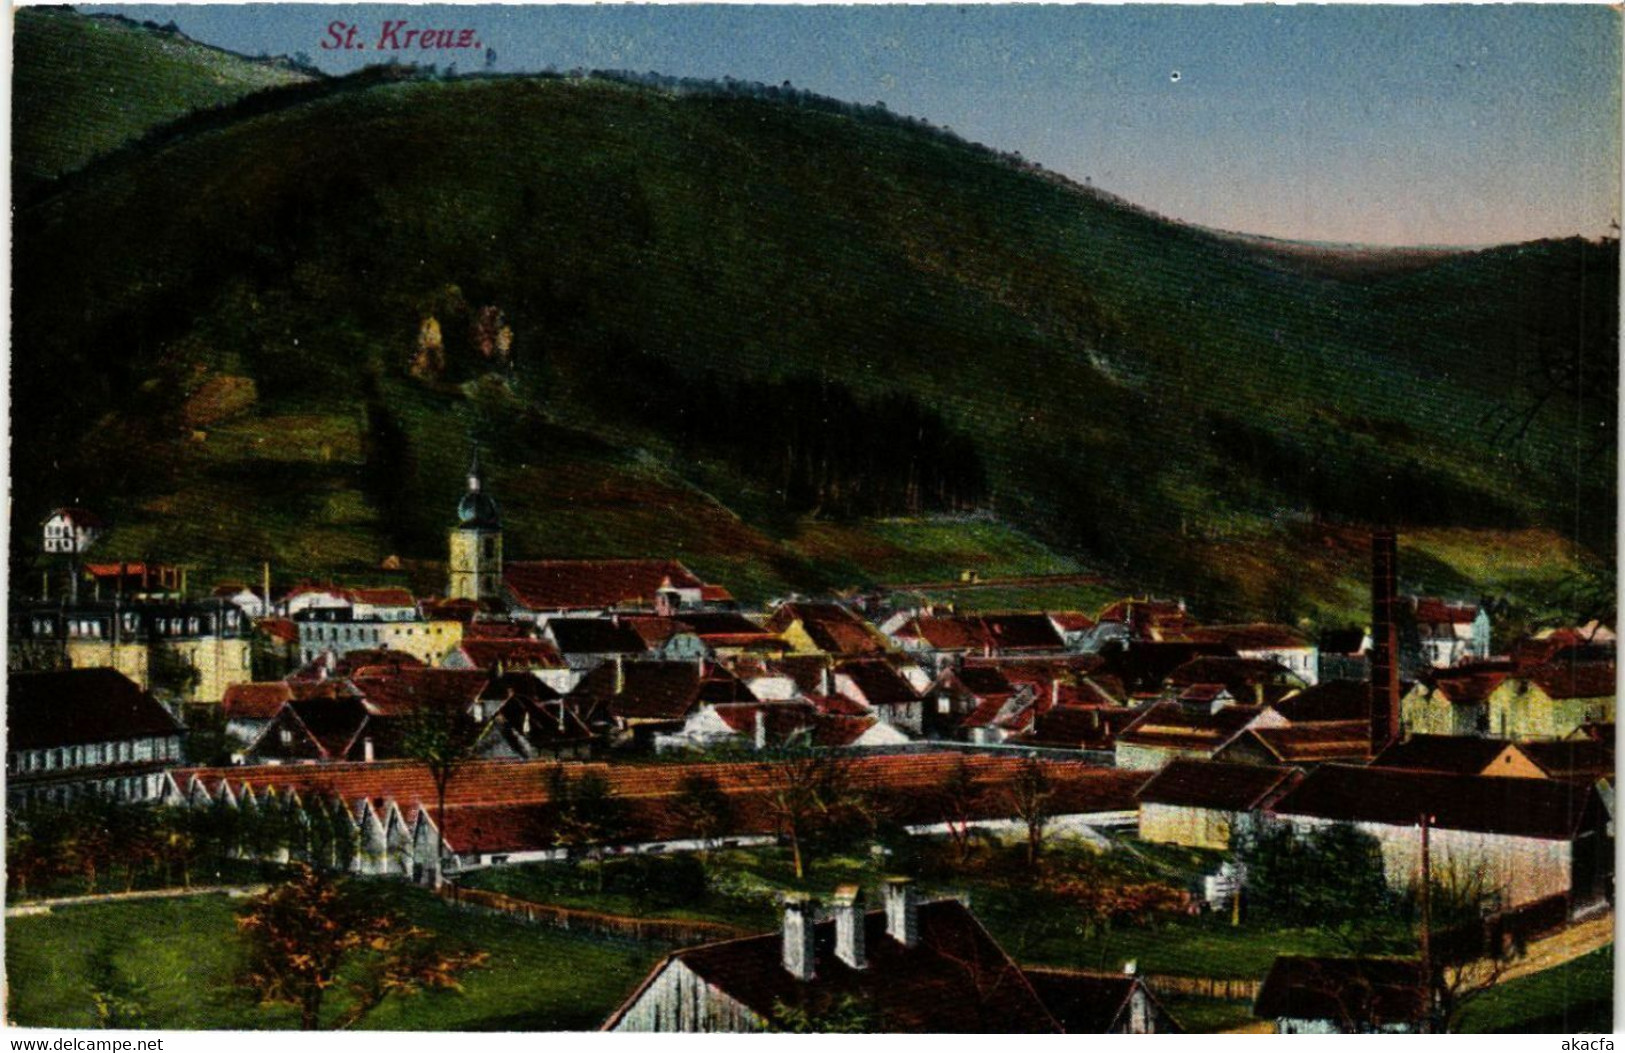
[(665, 930), (1204, 986)]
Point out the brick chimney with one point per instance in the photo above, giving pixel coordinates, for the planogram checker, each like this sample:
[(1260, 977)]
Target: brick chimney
[(761, 729), (1384, 708), (902, 911), (848, 907), (799, 913)]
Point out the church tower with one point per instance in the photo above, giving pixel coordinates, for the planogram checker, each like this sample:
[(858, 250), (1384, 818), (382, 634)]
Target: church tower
[(476, 543)]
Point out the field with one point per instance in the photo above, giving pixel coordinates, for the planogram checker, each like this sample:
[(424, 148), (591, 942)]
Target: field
[(181, 958)]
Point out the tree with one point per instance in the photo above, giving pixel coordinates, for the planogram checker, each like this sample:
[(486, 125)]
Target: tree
[(172, 677), (809, 792), (957, 802), (312, 934), (1472, 948), (1030, 795), (1329, 878), (444, 737), (587, 815), (703, 809)]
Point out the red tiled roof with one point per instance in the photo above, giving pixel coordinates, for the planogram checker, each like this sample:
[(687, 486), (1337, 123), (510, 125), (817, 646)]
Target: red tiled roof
[(596, 636), (284, 629), (1256, 636), (512, 654), (908, 781), (255, 701), (880, 683), (1071, 621), (405, 691), (389, 596), (1570, 760), (83, 517), (1022, 632), (1168, 725), (1430, 610), (1315, 743), (1577, 680), (715, 594), (947, 633), (561, 585), (832, 628), (1075, 727), (1216, 785)]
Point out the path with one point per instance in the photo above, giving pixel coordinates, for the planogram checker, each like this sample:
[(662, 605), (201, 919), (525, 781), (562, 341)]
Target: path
[(44, 906), (1576, 941)]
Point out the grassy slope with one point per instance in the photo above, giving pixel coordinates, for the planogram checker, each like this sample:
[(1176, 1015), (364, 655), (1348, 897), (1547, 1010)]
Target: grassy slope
[(184, 954), (86, 86), (613, 221), (1575, 996)]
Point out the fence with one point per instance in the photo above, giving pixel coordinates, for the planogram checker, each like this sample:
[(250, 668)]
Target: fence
[(1205, 987), (665, 930)]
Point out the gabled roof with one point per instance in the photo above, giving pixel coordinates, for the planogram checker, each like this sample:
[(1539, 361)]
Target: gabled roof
[(1333, 700), (1347, 740), (955, 979), (1254, 636), (403, 691), (1022, 632), (1091, 1003), (511, 653), (1238, 675), (1353, 992), (1456, 754), (1539, 808), (255, 701), (387, 596), (1168, 725), (595, 636), (1589, 759), (80, 517), (78, 707), (1079, 727), (564, 585), (1430, 610), (647, 690), (1348, 642), (1143, 666), (1216, 785), (333, 724), (1575, 680), (832, 628), (880, 682)]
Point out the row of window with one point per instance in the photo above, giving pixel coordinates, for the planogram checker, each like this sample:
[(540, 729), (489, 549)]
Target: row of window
[(97, 753), (360, 634), (130, 623), (127, 788)]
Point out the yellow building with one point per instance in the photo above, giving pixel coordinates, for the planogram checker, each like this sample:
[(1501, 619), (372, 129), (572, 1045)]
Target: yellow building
[(1204, 804), (1551, 702)]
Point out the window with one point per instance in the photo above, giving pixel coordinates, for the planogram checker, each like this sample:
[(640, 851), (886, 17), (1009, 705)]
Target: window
[(286, 736)]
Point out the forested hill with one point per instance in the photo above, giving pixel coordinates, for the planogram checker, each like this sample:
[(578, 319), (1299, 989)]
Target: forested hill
[(84, 86), (687, 321)]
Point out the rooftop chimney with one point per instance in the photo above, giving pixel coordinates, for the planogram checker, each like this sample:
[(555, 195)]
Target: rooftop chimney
[(849, 926), (366, 749), (761, 729), (620, 675), (902, 911), (799, 911), (1384, 708)]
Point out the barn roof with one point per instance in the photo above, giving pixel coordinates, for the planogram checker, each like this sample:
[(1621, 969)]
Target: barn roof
[(1539, 808), (1215, 785)]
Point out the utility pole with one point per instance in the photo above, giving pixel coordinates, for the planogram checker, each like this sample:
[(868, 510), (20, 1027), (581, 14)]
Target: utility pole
[(1427, 926)]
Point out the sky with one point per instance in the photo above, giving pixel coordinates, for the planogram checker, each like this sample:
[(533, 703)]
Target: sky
[(1411, 125)]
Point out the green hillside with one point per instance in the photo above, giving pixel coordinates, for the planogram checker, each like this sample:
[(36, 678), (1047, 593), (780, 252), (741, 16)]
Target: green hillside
[(86, 86), (711, 323)]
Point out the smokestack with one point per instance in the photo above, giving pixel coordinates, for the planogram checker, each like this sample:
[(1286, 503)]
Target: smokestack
[(902, 911), (1384, 640), (848, 907), (799, 910)]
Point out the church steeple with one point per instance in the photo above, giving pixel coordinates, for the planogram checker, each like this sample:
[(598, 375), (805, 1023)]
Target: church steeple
[(475, 565)]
